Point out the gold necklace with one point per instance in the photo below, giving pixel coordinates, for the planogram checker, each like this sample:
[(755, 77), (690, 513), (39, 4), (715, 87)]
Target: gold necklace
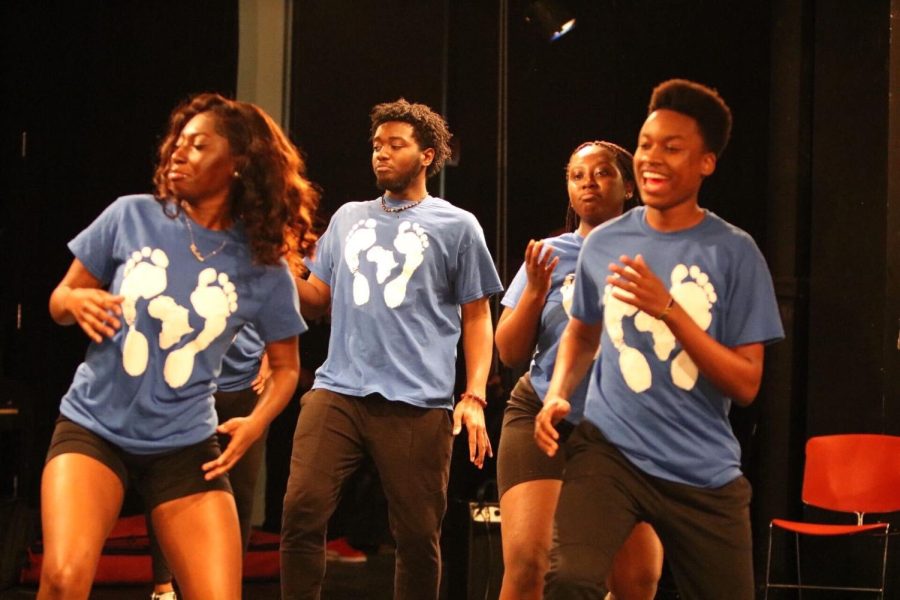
[(194, 249)]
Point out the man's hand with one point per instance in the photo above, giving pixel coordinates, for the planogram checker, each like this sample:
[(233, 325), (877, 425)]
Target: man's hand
[(470, 413), (639, 285)]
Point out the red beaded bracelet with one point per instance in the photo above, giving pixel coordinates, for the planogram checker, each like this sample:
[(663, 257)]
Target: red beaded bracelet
[(474, 397)]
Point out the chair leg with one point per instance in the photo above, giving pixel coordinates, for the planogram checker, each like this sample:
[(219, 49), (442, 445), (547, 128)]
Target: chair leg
[(887, 537), (768, 563), (799, 585)]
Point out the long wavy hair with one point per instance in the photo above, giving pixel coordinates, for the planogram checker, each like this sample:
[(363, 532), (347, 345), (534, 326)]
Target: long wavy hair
[(270, 194)]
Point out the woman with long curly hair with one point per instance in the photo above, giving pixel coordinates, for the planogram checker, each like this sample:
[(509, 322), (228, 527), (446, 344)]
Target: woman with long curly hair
[(161, 285)]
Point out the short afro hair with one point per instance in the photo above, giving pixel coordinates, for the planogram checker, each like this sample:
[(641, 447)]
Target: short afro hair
[(699, 102), (429, 128)]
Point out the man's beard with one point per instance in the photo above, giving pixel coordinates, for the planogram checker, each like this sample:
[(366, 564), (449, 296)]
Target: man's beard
[(399, 182)]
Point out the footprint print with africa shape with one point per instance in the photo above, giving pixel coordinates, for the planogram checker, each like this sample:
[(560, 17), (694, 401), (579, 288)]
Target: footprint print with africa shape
[(411, 241), (694, 292)]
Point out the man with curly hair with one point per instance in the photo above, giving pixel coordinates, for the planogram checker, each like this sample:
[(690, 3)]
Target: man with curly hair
[(405, 275)]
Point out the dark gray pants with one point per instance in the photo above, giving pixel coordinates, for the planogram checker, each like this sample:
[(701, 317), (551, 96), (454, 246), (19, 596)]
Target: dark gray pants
[(705, 532), (409, 446)]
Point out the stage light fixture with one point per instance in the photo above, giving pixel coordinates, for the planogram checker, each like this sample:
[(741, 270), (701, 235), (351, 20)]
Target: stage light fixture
[(551, 18)]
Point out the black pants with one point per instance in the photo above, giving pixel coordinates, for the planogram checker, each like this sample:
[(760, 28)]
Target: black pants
[(705, 532), (410, 447)]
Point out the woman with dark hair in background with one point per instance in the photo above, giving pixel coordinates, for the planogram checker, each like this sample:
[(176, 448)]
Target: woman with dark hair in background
[(600, 181), (161, 285)]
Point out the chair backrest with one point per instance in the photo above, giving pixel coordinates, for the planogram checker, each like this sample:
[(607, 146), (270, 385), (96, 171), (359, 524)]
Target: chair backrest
[(857, 473)]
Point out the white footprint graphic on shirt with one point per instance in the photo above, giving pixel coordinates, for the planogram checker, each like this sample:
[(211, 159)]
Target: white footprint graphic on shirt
[(384, 262), (663, 340), (694, 293), (360, 238), (411, 241), (567, 290), (174, 318), (214, 299), (633, 365), (144, 277)]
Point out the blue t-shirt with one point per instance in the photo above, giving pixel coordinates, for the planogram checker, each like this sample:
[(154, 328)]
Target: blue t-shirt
[(149, 388), (554, 317), (651, 402), (240, 365), (397, 282)]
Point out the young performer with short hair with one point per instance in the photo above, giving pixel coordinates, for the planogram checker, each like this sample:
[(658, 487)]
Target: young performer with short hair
[(685, 308)]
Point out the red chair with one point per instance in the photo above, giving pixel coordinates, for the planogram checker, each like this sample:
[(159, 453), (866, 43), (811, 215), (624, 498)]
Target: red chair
[(853, 473)]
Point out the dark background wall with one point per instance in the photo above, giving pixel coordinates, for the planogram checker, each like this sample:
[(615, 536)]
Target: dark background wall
[(812, 172), (89, 85), (850, 135)]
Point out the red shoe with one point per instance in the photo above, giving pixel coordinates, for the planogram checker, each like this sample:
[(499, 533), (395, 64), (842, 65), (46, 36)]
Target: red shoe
[(340, 550)]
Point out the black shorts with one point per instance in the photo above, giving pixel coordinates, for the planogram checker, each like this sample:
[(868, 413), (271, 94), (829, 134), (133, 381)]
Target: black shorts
[(519, 459), (157, 477)]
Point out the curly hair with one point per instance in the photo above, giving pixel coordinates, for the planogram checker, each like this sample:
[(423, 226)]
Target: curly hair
[(625, 164), (271, 194), (702, 103), (429, 128)]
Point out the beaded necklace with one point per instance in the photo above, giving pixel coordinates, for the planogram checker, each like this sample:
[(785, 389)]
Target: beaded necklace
[(396, 209)]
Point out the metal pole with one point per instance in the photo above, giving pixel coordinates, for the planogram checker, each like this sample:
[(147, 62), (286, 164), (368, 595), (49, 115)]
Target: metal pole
[(502, 140)]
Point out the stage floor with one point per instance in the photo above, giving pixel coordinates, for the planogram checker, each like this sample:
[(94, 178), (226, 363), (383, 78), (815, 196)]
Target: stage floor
[(372, 580)]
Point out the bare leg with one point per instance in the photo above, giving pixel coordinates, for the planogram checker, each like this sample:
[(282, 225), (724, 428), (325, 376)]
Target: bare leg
[(245, 473), (527, 512), (201, 540), (637, 565), (80, 502), (243, 478)]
